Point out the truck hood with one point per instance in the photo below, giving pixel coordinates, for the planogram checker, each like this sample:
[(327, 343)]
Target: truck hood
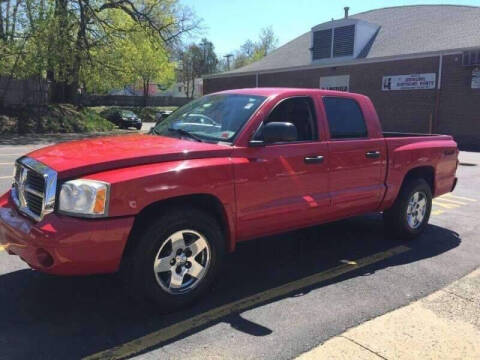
[(82, 157)]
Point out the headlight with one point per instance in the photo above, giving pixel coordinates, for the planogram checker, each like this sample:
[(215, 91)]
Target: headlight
[(84, 197)]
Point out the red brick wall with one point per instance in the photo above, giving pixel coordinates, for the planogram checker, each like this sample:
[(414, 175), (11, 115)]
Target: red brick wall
[(459, 105), (227, 83), (403, 110)]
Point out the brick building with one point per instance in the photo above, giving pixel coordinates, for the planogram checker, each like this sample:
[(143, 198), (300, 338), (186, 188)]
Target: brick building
[(419, 64)]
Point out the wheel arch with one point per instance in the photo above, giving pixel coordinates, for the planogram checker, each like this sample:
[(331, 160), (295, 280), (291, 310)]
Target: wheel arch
[(421, 172), (205, 202)]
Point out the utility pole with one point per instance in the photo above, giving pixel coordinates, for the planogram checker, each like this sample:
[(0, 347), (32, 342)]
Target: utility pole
[(204, 45), (228, 56)]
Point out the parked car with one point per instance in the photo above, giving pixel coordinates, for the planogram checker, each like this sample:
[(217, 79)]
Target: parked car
[(164, 208), (162, 115), (123, 118)]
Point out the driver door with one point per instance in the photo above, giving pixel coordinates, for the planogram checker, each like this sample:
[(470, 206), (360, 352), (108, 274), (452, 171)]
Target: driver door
[(284, 185)]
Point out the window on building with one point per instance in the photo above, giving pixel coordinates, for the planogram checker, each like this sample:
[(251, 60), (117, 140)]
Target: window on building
[(322, 44), (343, 40), (179, 89), (300, 112), (345, 118)]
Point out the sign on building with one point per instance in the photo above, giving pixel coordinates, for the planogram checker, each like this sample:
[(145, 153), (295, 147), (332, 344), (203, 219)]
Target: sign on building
[(338, 82), (409, 82), (476, 78)]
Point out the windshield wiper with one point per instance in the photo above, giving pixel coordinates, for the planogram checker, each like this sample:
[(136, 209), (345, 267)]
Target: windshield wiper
[(153, 130), (185, 133)]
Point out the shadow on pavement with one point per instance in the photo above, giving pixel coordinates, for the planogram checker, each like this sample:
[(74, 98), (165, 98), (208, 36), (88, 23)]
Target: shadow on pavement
[(56, 317)]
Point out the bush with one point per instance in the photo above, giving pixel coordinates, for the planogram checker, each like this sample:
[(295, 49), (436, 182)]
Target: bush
[(53, 119)]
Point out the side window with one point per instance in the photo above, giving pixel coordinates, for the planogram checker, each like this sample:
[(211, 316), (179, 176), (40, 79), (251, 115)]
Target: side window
[(300, 112), (345, 118)]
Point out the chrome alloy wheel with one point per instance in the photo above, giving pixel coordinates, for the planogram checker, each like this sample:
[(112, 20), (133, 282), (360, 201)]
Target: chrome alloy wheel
[(182, 261), (416, 210)]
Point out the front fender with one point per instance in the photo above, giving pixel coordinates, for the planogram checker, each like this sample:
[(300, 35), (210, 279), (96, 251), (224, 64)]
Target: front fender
[(135, 188)]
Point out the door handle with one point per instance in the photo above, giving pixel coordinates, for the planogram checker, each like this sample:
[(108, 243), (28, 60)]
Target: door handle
[(313, 159), (372, 154)]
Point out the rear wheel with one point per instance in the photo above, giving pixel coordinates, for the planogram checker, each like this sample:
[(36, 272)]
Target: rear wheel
[(409, 215), (176, 259)]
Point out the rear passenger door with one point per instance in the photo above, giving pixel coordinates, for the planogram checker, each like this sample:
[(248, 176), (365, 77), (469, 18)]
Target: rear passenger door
[(356, 160)]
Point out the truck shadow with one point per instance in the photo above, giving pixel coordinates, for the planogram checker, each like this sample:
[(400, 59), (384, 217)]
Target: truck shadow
[(56, 317)]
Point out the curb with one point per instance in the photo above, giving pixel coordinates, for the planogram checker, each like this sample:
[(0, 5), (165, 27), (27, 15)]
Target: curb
[(443, 325)]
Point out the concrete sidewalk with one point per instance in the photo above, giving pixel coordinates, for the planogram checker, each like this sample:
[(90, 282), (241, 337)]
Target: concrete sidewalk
[(444, 325)]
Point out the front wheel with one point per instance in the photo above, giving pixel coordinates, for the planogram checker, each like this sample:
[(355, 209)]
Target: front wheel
[(409, 215), (177, 258)]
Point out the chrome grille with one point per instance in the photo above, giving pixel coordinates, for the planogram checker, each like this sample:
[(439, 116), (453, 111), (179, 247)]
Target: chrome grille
[(34, 188), (35, 181)]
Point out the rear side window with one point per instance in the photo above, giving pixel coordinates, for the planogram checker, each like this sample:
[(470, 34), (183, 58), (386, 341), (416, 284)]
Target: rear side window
[(345, 118)]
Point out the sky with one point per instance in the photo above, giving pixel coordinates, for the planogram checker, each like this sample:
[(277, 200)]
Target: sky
[(229, 23)]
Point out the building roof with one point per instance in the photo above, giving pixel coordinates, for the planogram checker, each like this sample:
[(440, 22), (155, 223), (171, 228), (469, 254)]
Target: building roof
[(404, 30)]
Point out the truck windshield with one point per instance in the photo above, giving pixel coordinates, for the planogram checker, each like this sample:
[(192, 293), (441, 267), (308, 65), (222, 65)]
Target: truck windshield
[(211, 118)]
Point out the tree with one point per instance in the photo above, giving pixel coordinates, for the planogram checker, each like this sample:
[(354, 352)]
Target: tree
[(149, 63), (196, 60), (253, 51), (129, 59), (66, 40)]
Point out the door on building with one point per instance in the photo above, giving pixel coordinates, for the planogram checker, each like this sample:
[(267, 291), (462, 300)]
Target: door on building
[(283, 185), (356, 161)]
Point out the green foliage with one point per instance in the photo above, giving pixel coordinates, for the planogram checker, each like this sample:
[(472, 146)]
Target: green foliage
[(136, 56), (93, 45), (53, 119), (253, 51)]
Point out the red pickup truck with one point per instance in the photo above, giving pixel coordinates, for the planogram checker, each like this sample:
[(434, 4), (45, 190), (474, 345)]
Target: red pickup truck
[(164, 208)]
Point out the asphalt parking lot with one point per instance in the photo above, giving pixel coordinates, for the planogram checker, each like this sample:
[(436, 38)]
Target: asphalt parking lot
[(277, 297)]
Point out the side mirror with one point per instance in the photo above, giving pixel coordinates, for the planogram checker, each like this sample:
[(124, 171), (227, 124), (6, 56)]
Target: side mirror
[(274, 132)]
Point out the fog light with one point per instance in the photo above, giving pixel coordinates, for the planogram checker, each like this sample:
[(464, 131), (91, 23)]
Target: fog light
[(44, 258)]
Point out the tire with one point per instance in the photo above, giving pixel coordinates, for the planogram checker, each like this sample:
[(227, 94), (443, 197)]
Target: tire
[(196, 227), (405, 222), (138, 127)]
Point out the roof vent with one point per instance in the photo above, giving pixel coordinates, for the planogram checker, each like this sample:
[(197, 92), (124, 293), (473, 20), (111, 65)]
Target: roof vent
[(341, 39), (346, 8)]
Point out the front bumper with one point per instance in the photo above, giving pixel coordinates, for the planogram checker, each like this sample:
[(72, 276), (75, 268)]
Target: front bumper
[(64, 245)]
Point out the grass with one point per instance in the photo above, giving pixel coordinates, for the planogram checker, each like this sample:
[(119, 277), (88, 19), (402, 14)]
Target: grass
[(65, 118), (61, 118)]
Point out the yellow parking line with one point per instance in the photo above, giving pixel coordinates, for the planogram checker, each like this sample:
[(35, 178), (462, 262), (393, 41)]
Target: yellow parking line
[(8, 163), (158, 337), (437, 212), (2, 247), (446, 206), (15, 154), (5, 177), (460, 197), (451, 201)]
